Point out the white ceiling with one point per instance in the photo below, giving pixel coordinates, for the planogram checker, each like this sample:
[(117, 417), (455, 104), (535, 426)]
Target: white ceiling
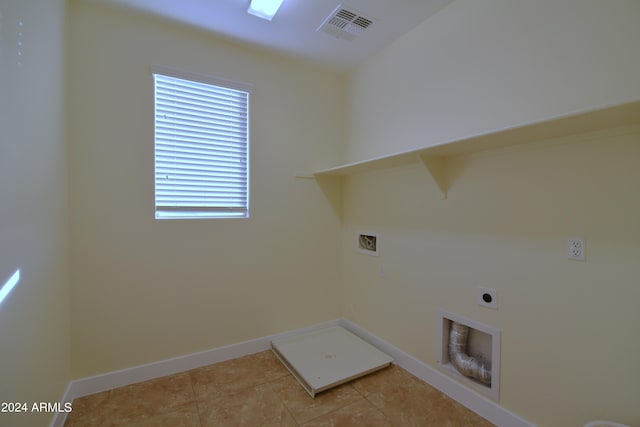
[(293, 29)]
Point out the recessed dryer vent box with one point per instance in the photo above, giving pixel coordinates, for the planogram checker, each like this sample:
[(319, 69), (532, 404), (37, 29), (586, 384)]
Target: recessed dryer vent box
[(368, 243), (483, 343)]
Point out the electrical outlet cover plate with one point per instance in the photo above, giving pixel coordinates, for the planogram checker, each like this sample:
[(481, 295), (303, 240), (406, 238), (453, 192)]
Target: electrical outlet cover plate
[(575, 248)]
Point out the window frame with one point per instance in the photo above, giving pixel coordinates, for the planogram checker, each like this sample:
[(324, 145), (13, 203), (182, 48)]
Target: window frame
[(199, 211)]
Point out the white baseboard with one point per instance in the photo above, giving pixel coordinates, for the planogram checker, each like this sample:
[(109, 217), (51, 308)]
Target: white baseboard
[(484, 407), (467, 397), (103, 382)]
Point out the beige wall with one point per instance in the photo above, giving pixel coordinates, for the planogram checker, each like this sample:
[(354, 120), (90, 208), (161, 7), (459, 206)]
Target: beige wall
[(568, 353), (144, 290), (34, 318), (478, 66)]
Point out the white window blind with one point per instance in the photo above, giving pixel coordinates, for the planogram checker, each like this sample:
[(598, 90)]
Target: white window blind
[(201, 147)]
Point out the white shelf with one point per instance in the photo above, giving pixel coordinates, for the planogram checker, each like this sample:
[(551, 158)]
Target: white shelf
[(555, 127)]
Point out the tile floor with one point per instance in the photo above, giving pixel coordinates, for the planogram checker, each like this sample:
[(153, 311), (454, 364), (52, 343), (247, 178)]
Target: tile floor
[(257, 390)]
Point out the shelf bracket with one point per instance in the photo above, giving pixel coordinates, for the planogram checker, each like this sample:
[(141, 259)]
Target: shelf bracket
[(436, 165), (331, 186), (303, 175)]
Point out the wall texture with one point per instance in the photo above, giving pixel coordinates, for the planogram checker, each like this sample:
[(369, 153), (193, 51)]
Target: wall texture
[(144, 290), (567, 349), (476, 67), (34, 318), (567, 352)]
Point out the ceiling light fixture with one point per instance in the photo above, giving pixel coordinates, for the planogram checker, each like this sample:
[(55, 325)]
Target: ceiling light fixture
[(264, 9)]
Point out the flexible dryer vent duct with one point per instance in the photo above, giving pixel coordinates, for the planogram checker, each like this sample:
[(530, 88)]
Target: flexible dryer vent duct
[(468, 366)]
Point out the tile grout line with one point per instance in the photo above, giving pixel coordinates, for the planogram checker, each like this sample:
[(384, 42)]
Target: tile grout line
[(195, 399), (270, 382), (364, 396), (386, 417), (335, 409)]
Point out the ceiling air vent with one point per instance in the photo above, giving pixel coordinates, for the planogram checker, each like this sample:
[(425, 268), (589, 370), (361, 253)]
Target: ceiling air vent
[(345, 23)]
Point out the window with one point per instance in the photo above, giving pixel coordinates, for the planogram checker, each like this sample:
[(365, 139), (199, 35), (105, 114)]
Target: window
[(201, 146)]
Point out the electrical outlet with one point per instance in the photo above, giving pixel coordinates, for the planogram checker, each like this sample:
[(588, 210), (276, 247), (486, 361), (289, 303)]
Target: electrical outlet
[(575, 248), (488, 297)]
